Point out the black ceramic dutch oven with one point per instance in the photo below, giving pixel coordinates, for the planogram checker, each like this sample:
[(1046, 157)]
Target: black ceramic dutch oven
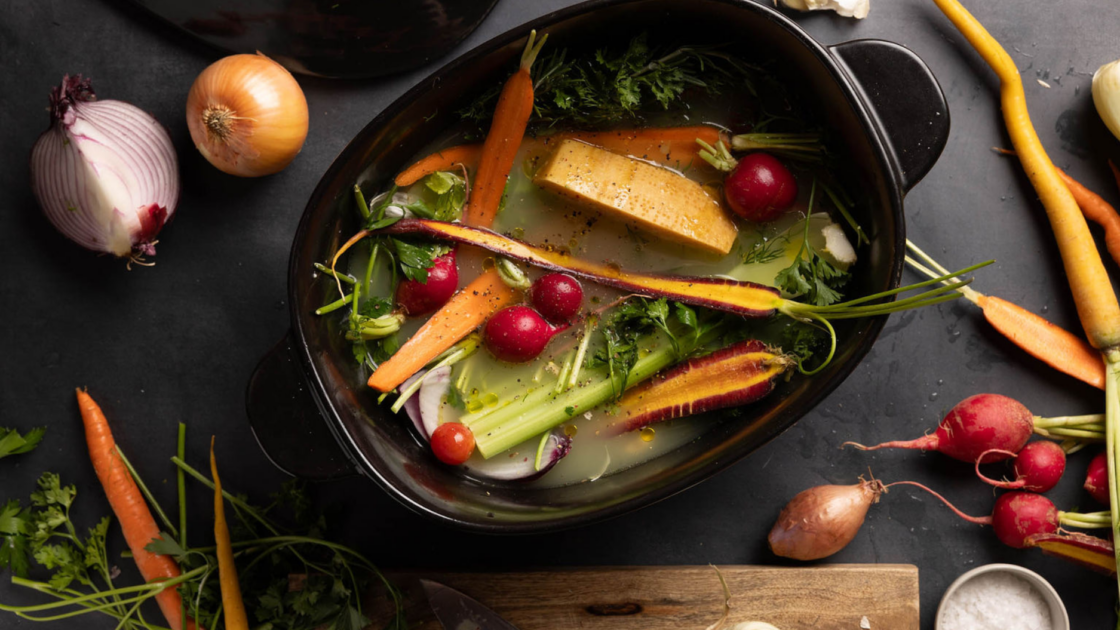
[(308, 403)]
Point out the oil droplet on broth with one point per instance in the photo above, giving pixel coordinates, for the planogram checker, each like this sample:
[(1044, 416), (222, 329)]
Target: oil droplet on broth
[(488, 263), (474, 405), (647, 434), (490, 399), (570, 430)]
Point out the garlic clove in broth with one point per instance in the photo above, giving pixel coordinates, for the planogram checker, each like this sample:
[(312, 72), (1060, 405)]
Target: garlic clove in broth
[(846, 8), (1106, 95)]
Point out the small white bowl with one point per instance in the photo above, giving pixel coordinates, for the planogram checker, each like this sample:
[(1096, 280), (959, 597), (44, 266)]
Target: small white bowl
[(1058, 616)]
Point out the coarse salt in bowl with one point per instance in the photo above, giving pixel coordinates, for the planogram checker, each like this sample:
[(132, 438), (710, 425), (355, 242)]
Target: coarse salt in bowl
[(999, 597)]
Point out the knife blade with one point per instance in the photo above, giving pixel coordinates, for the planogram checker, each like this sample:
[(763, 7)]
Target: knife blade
[(456, 611)]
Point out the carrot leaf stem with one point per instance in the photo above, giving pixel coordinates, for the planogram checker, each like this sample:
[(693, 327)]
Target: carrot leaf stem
[(147, 493)]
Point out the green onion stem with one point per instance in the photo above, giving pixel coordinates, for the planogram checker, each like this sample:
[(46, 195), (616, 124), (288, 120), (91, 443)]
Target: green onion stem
[(581, 352), (345, 277), (337, 304), (147, 494), (363, 207), (1070, 421), (1112, 414), (842, 208)]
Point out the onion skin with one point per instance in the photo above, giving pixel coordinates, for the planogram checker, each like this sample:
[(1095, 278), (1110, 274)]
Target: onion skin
[(247, 115), (820, 521)]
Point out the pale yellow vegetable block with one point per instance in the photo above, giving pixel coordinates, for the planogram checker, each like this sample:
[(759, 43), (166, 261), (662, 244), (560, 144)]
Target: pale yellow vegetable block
[(657, 199)]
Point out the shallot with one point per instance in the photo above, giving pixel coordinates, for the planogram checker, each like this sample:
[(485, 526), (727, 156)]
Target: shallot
[(105, 172)]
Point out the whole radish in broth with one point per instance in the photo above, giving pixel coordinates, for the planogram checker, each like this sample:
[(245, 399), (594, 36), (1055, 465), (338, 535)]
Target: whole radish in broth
[(1038, 467), (557, 296), (420, 298), (518, 334), (977, 424)]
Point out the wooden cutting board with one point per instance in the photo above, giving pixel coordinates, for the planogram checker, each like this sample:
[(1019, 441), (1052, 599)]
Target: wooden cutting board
[(679, 597)]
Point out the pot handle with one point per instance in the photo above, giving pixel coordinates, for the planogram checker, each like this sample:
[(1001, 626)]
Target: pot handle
[(905, 99), (288, 423)]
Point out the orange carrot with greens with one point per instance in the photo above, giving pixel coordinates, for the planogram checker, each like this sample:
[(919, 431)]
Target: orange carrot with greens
[(137, 523), (1092, 290), (511, 117), (233, 606), (464, 312), (1051, 344)]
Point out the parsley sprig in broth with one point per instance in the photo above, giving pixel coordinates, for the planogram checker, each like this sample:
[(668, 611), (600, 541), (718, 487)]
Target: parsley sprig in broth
[(612, 86)]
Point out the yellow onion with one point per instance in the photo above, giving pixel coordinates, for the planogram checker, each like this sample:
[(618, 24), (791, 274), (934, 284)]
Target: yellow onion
[(1106, 95), (247, 115)]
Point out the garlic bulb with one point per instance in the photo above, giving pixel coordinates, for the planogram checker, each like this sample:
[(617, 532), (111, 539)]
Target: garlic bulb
[(847, 8), (1106, 95)]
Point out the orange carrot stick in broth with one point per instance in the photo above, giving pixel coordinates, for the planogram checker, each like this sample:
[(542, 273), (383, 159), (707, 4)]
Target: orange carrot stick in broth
[(233, 605), (128, 505), (671, 146), (442, 160), (1092, 290), (466, 311), (511, 117)]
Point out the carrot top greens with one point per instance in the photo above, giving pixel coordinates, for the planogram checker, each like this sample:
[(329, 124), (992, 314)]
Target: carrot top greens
[(615, 85)]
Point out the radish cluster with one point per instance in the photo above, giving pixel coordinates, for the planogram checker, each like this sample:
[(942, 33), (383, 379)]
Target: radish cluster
[(519, 333), (980, 429)]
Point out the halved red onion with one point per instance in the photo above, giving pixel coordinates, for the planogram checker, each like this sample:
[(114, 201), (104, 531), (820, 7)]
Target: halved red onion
[(431, 398), (105, 172), (521, 466), (412, 405)]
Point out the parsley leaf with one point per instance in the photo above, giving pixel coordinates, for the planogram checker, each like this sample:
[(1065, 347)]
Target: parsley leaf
[(455, 398), (811, 276), (375, 306), (415, 260), (12, 443)]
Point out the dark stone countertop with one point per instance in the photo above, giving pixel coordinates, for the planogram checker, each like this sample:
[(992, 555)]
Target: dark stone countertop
[(178, 342)]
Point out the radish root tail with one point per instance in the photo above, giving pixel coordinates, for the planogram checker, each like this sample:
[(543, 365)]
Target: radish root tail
[(979, 520)]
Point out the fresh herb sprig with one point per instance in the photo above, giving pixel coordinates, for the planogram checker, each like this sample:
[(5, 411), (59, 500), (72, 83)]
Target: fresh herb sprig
[(12, 443), (810, 276), (292, 578)]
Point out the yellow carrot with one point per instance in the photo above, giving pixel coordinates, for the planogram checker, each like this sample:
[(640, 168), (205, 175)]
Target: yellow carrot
[(1092, 290), (232, 603)]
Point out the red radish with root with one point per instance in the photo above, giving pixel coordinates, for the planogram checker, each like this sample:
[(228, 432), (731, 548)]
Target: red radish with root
[(821, 521), (518, 334), (1038, 467), (977, 424), (420, 298), (1096, 479)]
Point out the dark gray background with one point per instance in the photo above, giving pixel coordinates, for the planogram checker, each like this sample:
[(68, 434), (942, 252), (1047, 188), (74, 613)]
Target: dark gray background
[(177, 342)]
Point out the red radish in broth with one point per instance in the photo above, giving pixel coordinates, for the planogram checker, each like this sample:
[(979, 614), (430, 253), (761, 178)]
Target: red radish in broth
[(557, 297), (420, 298), (760, 188), (518, 334), (977, 424), (1096, 479), (1038, 467)]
